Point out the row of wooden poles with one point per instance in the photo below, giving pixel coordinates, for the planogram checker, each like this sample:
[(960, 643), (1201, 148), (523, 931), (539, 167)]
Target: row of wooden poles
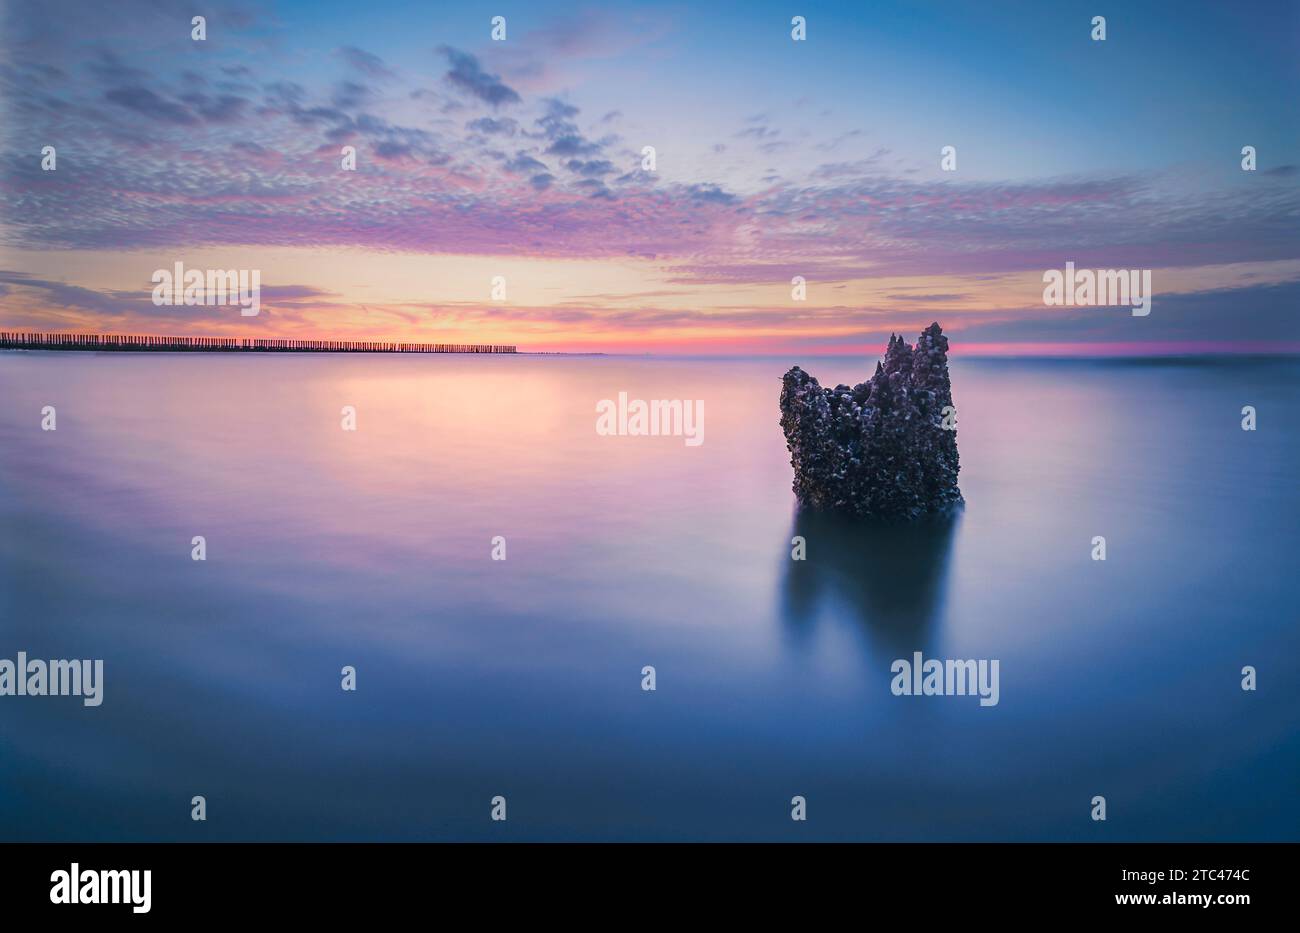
[(16, 340)]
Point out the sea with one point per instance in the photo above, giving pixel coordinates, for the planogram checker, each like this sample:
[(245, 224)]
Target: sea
[(518, 685)]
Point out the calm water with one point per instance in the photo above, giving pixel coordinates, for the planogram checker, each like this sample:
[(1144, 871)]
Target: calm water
[(522, 678)]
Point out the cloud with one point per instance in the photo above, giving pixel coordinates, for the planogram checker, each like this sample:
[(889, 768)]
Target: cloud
[(365, 62), (493, 126), (590, 169), (558, 111), (710, 193), (106, 66), (64, 295), (146, 103), (557, 125), (929, 298), (392, 150), (468, 76), (294, 292), (348, 95), (225, 108), (572, 145), (1259, 313), (443, 183), (834, 143), (523, 162)]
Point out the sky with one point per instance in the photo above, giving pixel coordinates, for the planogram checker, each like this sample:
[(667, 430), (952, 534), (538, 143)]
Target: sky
[(774, 159)]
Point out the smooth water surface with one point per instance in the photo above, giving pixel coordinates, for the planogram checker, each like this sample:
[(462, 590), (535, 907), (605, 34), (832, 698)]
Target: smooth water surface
[(522, 677)]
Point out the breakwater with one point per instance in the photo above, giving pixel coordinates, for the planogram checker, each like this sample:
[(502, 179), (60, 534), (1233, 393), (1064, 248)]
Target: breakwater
[(18, 340)]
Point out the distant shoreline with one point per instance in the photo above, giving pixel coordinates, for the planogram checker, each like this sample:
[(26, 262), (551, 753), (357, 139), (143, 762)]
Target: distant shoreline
[(127, 343)]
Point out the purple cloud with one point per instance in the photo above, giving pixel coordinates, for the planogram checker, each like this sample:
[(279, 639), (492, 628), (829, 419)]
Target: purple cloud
[(146, 103), (466, 74)]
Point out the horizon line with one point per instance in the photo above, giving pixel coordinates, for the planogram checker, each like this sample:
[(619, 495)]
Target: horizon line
[(72, 340)]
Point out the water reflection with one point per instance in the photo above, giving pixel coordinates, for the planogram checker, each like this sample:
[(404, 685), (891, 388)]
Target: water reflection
[(891, 577)]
